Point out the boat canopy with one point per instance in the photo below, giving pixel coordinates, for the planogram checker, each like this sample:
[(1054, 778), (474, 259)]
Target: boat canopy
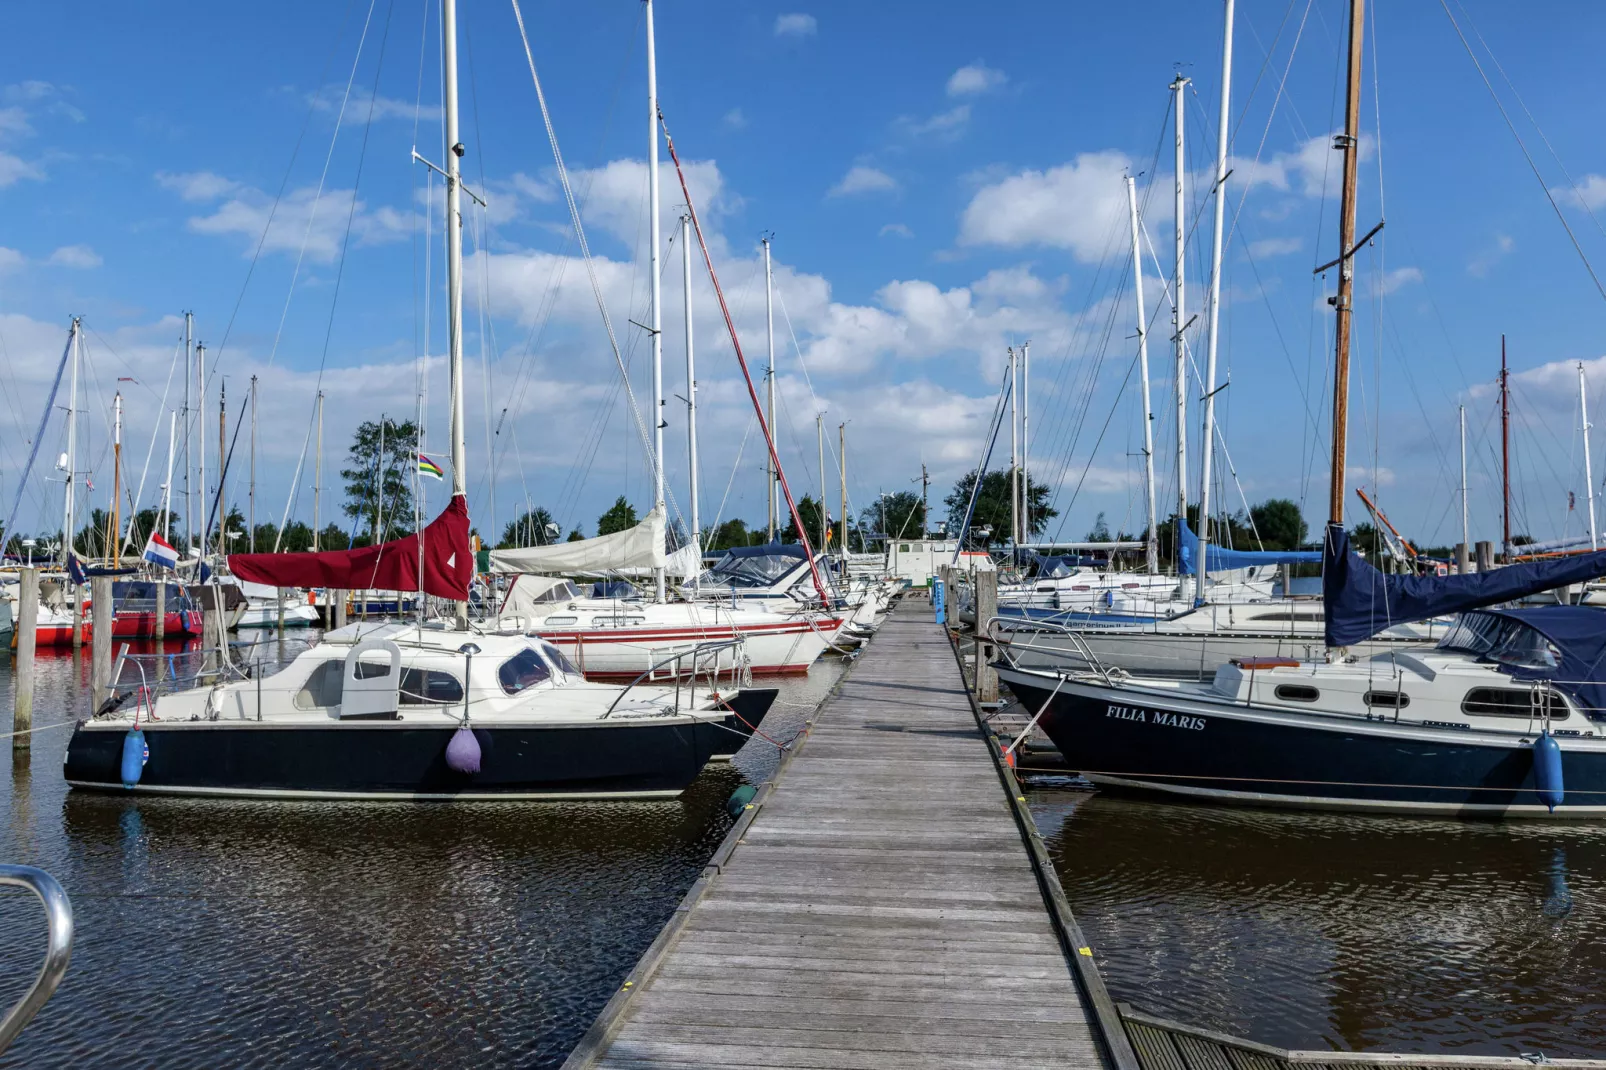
[(448, 566), (1565, 645), (1057, 565), (1220, 558), (639, 547), (1361, 601), (755, 566)]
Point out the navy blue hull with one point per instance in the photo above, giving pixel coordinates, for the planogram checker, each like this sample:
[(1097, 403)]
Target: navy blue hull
[(382, 760), (748, 708), (1130, 740)]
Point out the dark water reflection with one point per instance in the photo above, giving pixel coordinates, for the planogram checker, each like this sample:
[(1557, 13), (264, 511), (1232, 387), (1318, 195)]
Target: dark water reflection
[(1329, 931), (215, 933)]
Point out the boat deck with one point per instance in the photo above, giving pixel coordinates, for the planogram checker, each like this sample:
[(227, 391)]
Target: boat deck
[(877, 905)]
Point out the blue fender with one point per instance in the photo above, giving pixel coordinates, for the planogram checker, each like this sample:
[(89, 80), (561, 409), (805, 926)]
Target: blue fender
[(1547, 771), (136, 752)]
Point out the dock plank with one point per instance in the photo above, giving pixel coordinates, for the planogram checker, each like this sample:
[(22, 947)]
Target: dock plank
[(881, 909)]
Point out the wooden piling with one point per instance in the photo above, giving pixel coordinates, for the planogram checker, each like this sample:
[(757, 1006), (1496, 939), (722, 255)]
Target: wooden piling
[(340, 608), (986, 599), (27, 629), (77, 594), (100, 664), (1463, 561), (160, 632)]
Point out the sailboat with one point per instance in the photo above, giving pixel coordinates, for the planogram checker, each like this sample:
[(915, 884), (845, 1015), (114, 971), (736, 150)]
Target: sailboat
[(438, 709), (1506, 716)]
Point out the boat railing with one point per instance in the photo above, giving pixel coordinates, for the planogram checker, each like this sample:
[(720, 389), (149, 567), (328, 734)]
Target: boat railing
[(706, 658), (1005, 641), (58, 946)]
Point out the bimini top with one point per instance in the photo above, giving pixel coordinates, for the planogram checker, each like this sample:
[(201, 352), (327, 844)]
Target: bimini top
[(1565, 645), (755, 566), (1221, 558), (1361, 601)]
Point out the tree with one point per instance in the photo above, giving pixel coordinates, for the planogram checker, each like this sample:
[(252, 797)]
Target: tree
[(620, 515), (809, 510), (1101, 530), (1365, 538), (992, 507), (1280, 524), (534, 527), (732, 532), (332, 537), (377, 478), (575, 536), (905, 515)]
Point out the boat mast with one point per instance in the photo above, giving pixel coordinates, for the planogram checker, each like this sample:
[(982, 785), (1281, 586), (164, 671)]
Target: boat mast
[(166, 525), (1025, 439), (189, 492), (1505, 451), (691, 384), (1349, 143), (1589, 477), (1014, 454), (1151, 542), (1207, 446), (819, 437), (379, 482), (1466, 526), (200, 447), (115, 530), (222, 467), (69, 516), (842, 476), (769, 326), (454, 261), (251, 496), (317, 475), (1179, 311), (655, 284)]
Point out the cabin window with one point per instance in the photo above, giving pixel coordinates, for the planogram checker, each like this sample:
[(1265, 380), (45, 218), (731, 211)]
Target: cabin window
[(617, 622), (903, 549), (371, 670), (323, 687), (1297, 693), (524, 669), (424, 687), (1292, 615), (1393, 700), (1512, 702), (558, 660), (560, 621)]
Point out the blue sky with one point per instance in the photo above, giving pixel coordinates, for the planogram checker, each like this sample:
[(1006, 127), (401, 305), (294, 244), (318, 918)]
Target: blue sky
[(939, 184)]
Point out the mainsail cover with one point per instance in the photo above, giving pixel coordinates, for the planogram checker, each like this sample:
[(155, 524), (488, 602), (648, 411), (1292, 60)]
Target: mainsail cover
[(390, 566), (639, 547), (1361, 601), (1220, 558)]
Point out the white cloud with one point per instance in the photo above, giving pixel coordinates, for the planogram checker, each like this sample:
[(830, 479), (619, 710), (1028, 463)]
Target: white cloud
[(861, 179), (796, 25), (1073, 206), (15, 168), (301, 217), (1275, 247), (10, 260), (975, 78), (734, 119), (1480, 265), (362, 107), (945, 125), (1390, 281), (896, 230), (76, 256), (1590, 193), (1311, 169), (197, 185)]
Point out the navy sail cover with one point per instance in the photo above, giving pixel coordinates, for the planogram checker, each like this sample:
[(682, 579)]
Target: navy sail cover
[(1221, 558), (1361, 601)]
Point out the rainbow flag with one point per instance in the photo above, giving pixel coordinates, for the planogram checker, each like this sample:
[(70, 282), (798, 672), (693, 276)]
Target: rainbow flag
[(427, 467)]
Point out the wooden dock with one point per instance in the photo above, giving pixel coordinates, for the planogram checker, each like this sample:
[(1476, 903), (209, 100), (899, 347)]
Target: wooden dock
[(883, 903)]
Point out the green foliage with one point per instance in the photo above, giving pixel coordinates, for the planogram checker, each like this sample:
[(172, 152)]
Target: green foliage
[(620, 516), (732, 532), (1280, 524), (575, 536), (904, 516), (374, 478), (992, 507), (530, 529), (809, 510)]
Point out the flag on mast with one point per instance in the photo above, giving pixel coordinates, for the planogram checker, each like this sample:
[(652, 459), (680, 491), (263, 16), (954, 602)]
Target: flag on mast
[(427, 467), (158, 551)]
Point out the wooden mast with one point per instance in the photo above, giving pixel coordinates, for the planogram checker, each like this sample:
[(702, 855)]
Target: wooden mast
[(1349, 143)]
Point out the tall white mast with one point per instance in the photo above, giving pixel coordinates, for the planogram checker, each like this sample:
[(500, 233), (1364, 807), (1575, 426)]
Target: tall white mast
[(200, 447), (1589, 476), (769, 326), (317, 475), (1178, 314), (1151, 548), (189, 492), (166, 524), (69, 515), (655, 284), (819, 438), (1466, 527), (1207, 450), (1014, 452), (691, 382), (1025, 439), (114, 530), (251, 490), (454, 246)]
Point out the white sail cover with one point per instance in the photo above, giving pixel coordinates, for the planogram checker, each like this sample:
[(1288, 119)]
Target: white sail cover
[(686, 562), (639, 547)]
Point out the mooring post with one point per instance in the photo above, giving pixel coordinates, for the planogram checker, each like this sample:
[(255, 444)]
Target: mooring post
[(939, 595), (27, 625), (161, 612), (77, 615), (340, 608), (986, 599), (1463, 561), (100, 651), (1485, 551)]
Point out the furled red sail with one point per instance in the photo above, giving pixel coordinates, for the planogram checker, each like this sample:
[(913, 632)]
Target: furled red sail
[(390, 566)]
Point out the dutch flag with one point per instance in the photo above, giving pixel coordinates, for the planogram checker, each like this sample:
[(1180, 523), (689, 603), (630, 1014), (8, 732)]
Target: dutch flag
[(158, 551)]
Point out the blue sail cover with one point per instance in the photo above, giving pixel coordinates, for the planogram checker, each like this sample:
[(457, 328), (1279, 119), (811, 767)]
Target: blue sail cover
[(1220, 558), (1361, 601), (1579, 634)]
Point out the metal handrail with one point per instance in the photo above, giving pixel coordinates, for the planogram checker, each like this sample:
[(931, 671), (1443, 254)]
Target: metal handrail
[(715, 646), (58, 951), (1080, 649)]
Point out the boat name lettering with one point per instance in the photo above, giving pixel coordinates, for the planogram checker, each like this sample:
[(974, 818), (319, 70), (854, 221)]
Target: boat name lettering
[(1169, 720)]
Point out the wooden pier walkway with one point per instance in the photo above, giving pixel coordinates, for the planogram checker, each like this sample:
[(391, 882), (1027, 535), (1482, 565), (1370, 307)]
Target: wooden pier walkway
[(876, 907)]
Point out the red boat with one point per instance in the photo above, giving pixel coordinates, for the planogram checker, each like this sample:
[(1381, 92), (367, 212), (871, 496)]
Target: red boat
[(133, 616)]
